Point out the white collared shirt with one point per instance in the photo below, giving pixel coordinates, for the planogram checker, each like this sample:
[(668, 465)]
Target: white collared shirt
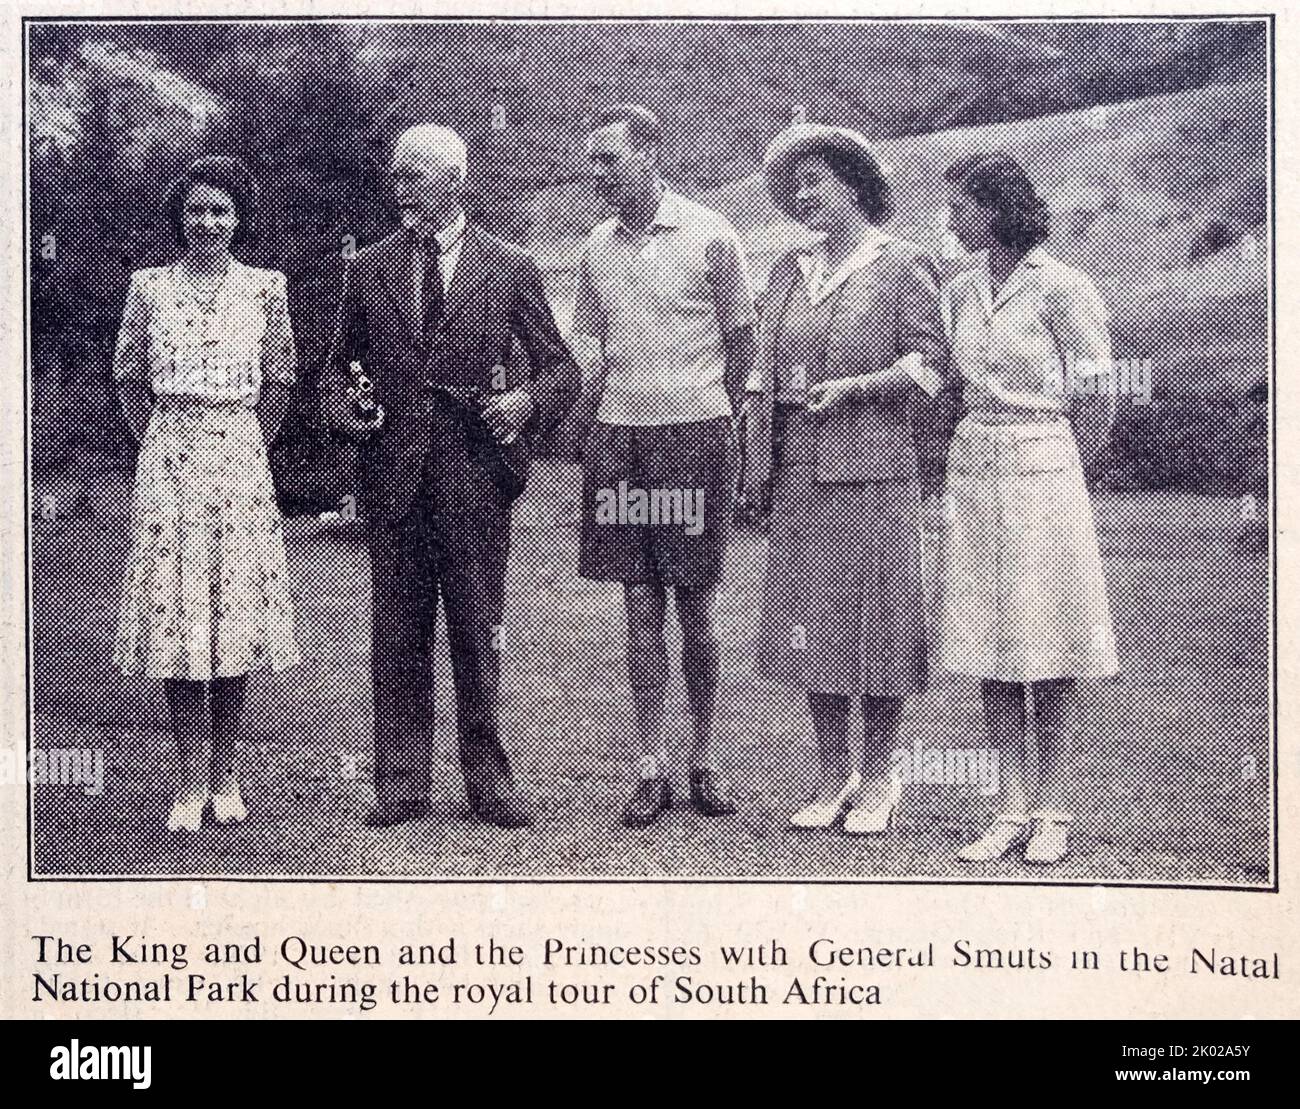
[(451, 239), (822, 284), (1017, 349)]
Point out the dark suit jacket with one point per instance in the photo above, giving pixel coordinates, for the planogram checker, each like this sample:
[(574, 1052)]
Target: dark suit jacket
[(495, 306)]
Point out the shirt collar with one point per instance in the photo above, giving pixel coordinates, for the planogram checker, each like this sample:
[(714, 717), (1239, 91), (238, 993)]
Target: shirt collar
[(1032, 259), (448, 237), (813, 262), (667, 214)]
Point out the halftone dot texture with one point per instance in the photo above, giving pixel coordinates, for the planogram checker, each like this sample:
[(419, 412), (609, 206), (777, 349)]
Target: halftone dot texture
[(1149, 144)]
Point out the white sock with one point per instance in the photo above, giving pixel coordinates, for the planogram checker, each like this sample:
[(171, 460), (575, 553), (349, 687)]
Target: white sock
[(652, 766)]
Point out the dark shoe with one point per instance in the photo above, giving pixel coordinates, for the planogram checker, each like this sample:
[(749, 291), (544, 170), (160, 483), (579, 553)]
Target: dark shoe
[(653, 797), (490, 787), (711, 793), (396, 812), (500, 804)]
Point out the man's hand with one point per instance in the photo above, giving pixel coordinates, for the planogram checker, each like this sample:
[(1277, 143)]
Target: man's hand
[(826, 396), (346, 421), (507, 413), (754, 487), (755, 495)]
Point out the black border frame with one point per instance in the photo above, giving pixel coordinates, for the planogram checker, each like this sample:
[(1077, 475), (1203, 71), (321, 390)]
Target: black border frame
[(1269, 18)]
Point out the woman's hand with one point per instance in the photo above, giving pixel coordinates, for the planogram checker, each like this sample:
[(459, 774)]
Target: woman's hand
[(826, 396), (271, 406), (136, 400), (1091, 418)]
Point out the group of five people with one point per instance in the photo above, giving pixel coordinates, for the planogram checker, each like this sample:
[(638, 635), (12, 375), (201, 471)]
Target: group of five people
[(829, 399)]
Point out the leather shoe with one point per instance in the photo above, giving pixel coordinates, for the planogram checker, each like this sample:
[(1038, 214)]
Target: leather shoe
[(711, 793), (385, 815), (652, 798), (490, 787), (500, 804)]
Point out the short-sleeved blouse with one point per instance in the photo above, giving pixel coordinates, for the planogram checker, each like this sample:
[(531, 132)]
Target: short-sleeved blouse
[(1023, 348), (219, 353)]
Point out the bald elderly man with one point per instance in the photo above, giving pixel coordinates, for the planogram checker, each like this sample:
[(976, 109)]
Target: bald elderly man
[(430, 317)]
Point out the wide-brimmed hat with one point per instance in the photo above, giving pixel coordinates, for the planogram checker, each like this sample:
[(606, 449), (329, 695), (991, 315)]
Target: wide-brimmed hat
[(804, 139)]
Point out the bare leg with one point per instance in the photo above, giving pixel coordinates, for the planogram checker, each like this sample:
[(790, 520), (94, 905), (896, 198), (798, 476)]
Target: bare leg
[(700, 667), (880, 719), (647, 666), (1004, 718), (187, 706), (227, 710), (1055, 708), (830, 717), (877, 797)]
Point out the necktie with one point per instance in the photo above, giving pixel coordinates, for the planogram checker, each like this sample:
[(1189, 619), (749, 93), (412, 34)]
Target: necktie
[(431, 290)]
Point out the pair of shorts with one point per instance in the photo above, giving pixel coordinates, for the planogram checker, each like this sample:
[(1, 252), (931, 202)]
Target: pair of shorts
[(656, 503)]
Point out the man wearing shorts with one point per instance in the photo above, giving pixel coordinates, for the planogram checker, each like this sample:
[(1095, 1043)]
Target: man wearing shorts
[(664, 307)]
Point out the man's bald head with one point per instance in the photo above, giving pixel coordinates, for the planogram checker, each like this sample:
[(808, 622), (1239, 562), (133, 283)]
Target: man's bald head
[(429, 170), (429, 142)]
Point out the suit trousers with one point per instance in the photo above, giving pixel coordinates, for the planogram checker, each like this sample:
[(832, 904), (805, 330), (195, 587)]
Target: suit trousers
[(453, 543)]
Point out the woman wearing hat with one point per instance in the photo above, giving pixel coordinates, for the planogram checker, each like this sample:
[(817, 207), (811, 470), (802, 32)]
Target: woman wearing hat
[(205, 358), (1024, 605), (852, 356)]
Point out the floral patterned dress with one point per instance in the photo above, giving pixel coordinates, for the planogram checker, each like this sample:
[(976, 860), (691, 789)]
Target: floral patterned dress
[(207, 593)]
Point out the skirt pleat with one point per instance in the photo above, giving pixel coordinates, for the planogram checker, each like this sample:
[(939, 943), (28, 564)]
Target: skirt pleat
[(844, 593), (1022, 590)]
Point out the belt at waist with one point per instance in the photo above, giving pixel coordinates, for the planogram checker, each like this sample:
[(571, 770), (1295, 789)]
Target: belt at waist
[(973, 433), (1004, 417), (185, 400)]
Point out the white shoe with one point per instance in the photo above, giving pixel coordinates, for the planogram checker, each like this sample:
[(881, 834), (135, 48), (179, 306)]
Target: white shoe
[(1007, 831), (875, 820), (187, 811), (228, 805), (1050, 842), (822, 814)]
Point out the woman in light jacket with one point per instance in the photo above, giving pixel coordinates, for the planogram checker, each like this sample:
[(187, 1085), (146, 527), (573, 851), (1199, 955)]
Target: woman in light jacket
[(852, 355), (1023, 600)]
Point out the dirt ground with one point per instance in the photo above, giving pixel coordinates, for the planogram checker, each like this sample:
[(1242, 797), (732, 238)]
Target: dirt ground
[(1174, 765)]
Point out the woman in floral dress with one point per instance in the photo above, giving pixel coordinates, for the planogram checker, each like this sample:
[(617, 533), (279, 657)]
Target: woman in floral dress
[(204, 363)]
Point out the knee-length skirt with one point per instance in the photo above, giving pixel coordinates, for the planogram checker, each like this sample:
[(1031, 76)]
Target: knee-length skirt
[(1022, 591), (207, 592), (844, 593)]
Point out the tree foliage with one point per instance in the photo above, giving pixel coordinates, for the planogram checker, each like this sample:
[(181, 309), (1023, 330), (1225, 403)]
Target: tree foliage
[(116, 110)]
